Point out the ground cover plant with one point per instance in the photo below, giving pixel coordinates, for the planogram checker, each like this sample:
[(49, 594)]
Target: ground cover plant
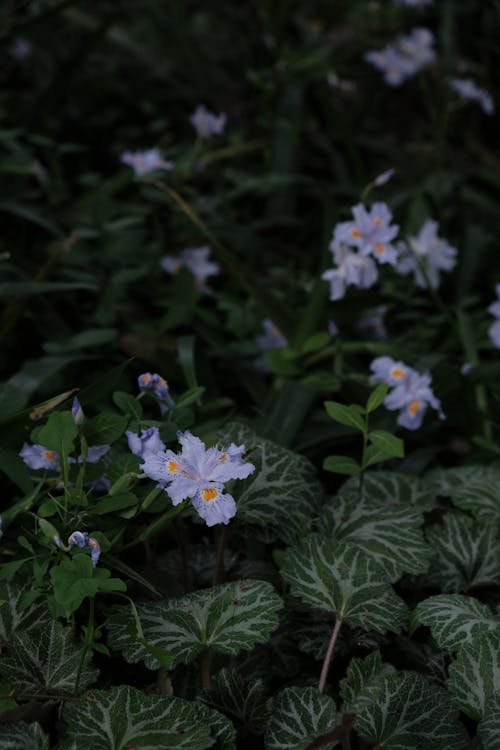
[(249, 409)]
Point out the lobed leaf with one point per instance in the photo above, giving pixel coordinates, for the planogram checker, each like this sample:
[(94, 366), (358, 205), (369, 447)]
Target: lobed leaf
[(454, 619), (465, 554), (339, 577), (299, 716), (474, 677), (409, 712), (46, 660), (124, 717), (230, 618)]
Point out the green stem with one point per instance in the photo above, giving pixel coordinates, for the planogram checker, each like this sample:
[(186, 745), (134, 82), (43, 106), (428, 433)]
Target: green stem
[(470, 350), (206, 660), (219, 559), (329, 653), (89, 638)]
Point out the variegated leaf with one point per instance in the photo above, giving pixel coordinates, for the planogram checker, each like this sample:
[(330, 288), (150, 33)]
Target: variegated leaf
[(282, 494), (299, 716), (454, 619), (46, 660), (384, 489), (243, 700), (489, 726), (409, 712), (13, 616), (230, 618), (465, 554), (391, 536), (340, 578), (472, 488), (475, 674), (363, 680), (124, 717), (22, 736)]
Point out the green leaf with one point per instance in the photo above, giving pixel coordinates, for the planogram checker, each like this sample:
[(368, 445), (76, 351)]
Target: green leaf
[(384, 489), (387, 443), (299, 716), (342, 465), (351, 416), (363, 679), (341, 579), (46, 660), (115, 503), (489, 726), (124, 717), (59, 433), (22, 736), (105, 428), (376, 397), (281, 495), (466, 554), (230, 618), (17, 471), (13, 616), (392, 536), (474, 676), (243, 700), (189, 397), (128, 404), (76, 578), (409, 712), (454, 619)]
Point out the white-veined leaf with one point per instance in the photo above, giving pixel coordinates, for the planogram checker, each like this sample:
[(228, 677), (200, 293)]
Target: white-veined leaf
[(392, 536), (489, 726), (46, 660), (340, 578), (472, 488), (125, 718), (454, 619), (409, 712), (362, 681), (230, 618), (13, 616), (384, 489), (243, 700), (474, 676), (299, 716), (22, 736), (465, 554), (282, 494)]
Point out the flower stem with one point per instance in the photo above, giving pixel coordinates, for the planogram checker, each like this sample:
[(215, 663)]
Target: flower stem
[(206, 660), (329, 653), (219, 559), (89, 637)]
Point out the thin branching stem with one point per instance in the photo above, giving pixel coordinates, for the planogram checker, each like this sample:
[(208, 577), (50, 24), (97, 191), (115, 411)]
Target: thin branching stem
[(329, 652)]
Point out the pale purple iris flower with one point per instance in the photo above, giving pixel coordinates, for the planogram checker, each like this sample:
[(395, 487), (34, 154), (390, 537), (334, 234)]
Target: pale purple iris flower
[(384, 177), (371, 232), (143, 162), (352, 270), (148, 443), (206, 123), (199, 473), (272, 338), (405, 57), (494, 329), (411, 393), (196, 260), (468, 89), (414, 3), (40, 457), (426, 255), (77, 412), (81, 539), (159, 387)]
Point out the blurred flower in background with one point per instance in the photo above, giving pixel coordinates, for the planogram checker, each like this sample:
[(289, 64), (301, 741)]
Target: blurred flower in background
[(143, 162), (206, 123), (196, 259), (405, 57), (469, 90), (425, 255)]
